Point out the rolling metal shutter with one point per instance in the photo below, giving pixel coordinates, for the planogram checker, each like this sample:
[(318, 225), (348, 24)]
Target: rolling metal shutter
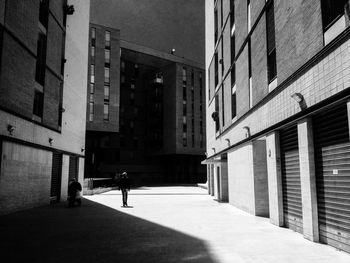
[(56, 174), (332, 156), (292, 205)]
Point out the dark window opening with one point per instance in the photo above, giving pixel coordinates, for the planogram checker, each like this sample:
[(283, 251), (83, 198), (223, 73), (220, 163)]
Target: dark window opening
[(232, 16), (217, 123), (233, 105), (233, 51), (216, 25), (216, 69), (271, 45), (222, 106), (38, 104), (44, 12), (331, 11), (41, 59)]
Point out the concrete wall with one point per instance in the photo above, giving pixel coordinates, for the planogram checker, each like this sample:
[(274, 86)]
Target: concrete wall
[(247, 178), (25, 177), (241, 178)]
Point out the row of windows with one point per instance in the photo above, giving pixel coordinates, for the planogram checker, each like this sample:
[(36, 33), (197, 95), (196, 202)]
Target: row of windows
[(331, 12), (107, 53), (40, 67)]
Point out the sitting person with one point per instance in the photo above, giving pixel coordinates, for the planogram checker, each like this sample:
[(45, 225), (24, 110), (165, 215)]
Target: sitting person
[(74, 192)]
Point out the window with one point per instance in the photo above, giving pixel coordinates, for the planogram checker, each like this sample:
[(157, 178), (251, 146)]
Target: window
[(107, 40), (216, 25), (216, 66), (184, 76), (122, 66), (91, 111), (136, 70), (250, 74), (184, 139), (233, 51), (232, 15), (271, 46), (44, 12), (105, 111), (92, 74), (233, 103), (106, 75), (93, 36), (248, 15), (41, 59), (222, 106), (331, 11), (106, 93), (92, 88), (91, 98), (92, 52), (107, 56), (222, 58), (217, 124), (38, 104)]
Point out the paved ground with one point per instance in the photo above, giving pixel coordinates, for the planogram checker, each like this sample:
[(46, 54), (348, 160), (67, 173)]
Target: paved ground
[(162, 224)]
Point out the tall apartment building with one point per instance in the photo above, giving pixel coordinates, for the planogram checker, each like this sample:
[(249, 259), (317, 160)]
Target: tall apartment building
[(157, 134), (43, 76), (278, 112)]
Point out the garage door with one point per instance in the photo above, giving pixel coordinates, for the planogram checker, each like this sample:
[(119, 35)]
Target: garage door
[(292, 205), (332, 155)]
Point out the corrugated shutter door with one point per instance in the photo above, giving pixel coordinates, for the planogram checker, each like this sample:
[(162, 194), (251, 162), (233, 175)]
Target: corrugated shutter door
[(332, 155), (292, 205), (56, 174)]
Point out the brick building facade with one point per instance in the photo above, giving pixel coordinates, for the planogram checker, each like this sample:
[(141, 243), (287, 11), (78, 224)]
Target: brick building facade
[(160, 113), (277, 112), (42, 131)]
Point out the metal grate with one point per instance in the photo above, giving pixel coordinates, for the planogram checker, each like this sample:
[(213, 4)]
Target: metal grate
[(332, 154), (56, 174), (292, 205)]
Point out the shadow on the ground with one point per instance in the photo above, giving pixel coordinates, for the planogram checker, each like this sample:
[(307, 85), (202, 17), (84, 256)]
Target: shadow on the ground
[(93, 233)]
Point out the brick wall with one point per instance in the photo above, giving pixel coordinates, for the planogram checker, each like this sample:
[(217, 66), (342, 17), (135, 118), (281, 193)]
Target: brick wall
[(25, 177), (259, 61), (242, 83), (299, 34)]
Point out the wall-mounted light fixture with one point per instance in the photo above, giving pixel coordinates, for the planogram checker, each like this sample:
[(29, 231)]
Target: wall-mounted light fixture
[(172, 51), (247, 131), (50, 141), (228, 141), (62, 109), (213, 150), (215, 116), (10, 129), (221, 61), (69, 9), (82, 149), (297, 97)]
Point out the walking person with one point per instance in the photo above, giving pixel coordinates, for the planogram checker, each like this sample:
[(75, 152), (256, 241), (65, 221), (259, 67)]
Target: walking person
[(124, 186), (74, 192)]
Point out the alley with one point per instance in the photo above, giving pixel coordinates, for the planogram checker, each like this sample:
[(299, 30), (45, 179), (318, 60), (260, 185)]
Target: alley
[(161, 224)]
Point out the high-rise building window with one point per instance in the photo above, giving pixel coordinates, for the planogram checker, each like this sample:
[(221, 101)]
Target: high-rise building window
[(106, 92), (44, 12), (331, 11), (216, 25), (223, 105), (92, 87), (38, 103), (184, 139), (249, 21), (233, 51), (107, 56), (41, 59), (232, 13), (92, 73), (107, 40), (122, 66), (217, 123), (216, 68), (233, 102), (92, 52), (91, 111), (105, 111), (93, 36), (271, 46), (107, 75), (250, 74), (136, 70)]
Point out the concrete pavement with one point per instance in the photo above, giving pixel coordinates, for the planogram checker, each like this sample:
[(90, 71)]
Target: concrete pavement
[(163, 224)]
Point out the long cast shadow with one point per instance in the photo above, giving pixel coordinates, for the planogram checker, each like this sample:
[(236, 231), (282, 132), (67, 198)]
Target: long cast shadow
[(93, 233)]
